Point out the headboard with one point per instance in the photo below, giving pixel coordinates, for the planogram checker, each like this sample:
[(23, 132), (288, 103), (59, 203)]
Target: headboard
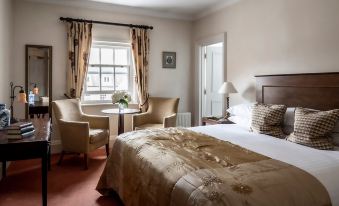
[(313, 90)]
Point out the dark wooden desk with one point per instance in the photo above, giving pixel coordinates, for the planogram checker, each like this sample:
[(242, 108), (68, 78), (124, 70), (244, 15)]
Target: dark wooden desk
[(38, 108), (37, 146)]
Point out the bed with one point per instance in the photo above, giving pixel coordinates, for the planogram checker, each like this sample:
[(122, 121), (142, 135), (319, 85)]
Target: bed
[(227, 164)]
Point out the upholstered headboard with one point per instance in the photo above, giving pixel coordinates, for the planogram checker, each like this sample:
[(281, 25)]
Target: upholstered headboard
[(312, 90)]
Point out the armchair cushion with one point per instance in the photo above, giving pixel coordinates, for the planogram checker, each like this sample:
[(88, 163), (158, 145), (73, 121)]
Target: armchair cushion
[(98, 135)]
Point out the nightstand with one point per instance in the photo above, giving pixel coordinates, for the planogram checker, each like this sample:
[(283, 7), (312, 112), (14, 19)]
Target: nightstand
[(214, 120)]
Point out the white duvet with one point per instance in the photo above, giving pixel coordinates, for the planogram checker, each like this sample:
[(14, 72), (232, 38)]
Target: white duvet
[(324, 165)]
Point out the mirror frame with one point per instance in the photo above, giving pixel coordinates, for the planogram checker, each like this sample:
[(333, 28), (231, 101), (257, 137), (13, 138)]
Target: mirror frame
[(49, 77)]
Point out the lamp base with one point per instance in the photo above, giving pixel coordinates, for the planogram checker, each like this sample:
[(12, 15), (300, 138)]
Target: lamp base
[(228, 102)]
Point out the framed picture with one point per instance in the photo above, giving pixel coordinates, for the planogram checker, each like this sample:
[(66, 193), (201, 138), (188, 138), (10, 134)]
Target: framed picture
[(169, 60)]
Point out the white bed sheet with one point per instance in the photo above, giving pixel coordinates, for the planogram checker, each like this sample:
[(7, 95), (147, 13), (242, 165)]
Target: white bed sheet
[(323, 165)]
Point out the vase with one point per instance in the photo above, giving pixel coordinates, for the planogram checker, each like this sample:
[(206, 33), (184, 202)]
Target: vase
[(121, 107), (5, 116)]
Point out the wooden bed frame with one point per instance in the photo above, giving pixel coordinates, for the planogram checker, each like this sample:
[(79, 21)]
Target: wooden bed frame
[(312, 90)]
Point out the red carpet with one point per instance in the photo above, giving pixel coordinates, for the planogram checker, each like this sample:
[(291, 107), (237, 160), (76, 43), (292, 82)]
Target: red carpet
[(68, 184)]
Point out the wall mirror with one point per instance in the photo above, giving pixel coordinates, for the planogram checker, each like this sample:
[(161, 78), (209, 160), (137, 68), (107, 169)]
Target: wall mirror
[(38, 81)]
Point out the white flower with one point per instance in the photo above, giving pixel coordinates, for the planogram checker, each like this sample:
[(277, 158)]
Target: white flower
[(120, 95)]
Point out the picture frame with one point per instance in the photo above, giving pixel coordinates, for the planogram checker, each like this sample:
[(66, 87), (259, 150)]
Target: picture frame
[(169, 60)]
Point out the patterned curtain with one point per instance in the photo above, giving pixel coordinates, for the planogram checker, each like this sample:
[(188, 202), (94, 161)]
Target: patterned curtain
[(140, 49), (79, 36)]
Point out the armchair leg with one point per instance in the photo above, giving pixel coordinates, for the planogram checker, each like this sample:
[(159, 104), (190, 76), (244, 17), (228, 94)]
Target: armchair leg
[(86, 161), (107, 149), (61, 157)]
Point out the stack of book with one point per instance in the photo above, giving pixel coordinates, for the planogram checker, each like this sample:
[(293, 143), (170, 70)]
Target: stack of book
[(20, 130)]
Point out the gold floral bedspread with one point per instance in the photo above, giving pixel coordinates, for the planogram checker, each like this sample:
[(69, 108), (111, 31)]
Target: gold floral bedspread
[(179, 167)]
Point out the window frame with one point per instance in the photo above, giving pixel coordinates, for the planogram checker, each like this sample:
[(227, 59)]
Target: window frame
[(129, 66)]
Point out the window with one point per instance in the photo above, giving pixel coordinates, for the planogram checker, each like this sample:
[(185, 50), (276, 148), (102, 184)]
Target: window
[(110, 69)]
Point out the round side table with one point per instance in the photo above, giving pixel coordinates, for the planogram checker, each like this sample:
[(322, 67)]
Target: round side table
[(121, 118)]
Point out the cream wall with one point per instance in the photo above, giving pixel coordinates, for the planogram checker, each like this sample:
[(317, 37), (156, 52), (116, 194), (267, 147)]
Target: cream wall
[(37, 23), (6, 32), (273, 37)]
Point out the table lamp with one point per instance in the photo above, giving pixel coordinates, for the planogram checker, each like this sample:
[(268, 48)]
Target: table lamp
[(21, 99), (226, 89), (35, 89)]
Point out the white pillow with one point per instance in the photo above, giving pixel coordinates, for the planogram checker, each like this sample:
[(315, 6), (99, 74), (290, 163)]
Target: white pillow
[(241, 121), (288, 125), (335, 137), (289, 116), (335, 134), (242, 110), (336, 127)]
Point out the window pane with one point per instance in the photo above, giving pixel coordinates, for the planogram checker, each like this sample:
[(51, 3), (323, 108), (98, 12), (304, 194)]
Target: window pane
[(93, 79), (93, 70), (112, 72), (94, 56), (107, 78), (121, 81), (107, 56), (97, 97), (107, 70), (121, 56), (123, 70)]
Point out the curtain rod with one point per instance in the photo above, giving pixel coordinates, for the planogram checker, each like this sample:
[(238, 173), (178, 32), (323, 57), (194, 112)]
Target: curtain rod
[(106, 23)]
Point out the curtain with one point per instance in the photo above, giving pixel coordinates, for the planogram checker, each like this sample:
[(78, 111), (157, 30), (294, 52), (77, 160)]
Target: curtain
[(79, 37), (140, 50)]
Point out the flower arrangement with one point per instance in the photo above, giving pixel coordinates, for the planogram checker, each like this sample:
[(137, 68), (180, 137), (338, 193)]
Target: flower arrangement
[(122, 98)]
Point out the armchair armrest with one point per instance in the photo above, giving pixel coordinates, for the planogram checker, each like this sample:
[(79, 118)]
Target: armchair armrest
[(74, 135), (95, 121), (170, 121), (140, 119)]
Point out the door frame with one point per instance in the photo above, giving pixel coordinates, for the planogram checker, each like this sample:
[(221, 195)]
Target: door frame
[(219, 38)]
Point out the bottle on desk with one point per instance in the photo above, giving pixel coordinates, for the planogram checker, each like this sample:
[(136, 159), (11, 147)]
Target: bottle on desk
[(31, 98)]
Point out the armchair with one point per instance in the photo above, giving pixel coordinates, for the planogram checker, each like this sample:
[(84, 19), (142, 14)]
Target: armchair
[(161, 113), (80, 133)]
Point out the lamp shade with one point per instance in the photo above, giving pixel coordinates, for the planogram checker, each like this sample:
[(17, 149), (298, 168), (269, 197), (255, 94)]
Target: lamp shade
[(35, 90), (22, 97), (227, 88)]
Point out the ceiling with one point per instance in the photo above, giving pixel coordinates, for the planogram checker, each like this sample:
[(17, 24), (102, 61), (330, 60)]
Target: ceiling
[(177, 9), (184, 7)]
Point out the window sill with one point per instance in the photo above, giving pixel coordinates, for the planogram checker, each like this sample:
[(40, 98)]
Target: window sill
[(93, 104)]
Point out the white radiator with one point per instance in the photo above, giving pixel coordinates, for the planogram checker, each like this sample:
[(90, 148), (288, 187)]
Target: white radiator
[(184, 119)]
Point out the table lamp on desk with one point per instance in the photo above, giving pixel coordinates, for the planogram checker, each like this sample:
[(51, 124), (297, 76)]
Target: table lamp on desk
[(21, 98)]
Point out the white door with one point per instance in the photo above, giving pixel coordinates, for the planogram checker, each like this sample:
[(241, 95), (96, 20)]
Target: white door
[(212, 79)]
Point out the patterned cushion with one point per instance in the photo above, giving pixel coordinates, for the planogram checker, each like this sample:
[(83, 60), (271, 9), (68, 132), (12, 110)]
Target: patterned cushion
[(267, 119), (312, 128)]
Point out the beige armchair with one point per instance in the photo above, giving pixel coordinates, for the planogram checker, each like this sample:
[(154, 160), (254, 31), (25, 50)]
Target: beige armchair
[(161, 113), (80, 133)]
